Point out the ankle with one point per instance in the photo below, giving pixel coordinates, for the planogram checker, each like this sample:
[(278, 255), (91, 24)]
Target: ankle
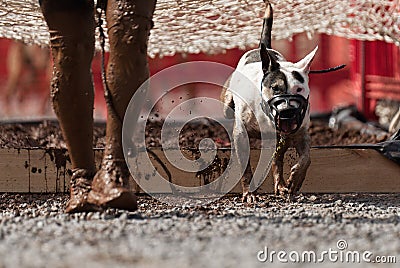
[(83, 173)]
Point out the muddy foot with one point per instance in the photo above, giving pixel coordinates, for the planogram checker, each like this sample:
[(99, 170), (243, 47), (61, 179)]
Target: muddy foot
[(281, 190), (110, 187), (81, 182), (249, 198)]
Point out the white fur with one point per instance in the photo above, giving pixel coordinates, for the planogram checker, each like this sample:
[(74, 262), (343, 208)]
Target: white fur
[(245, 86), (245, 89)]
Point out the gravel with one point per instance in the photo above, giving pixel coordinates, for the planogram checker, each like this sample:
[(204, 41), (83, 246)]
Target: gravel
[(35, 232)]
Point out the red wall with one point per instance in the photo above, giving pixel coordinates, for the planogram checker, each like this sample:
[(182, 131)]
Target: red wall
[(380, 59), (327, 90)]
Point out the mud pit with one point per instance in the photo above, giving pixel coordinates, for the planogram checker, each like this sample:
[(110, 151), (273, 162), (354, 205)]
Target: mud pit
[(47, 134), (225, 233)]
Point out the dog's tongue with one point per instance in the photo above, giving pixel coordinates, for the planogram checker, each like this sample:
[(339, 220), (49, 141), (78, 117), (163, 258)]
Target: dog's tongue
[(287, 125)]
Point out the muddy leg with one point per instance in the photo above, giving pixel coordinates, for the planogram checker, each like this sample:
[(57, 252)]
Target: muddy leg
[(277, 170), (129, 24), (240, 144), (71, 26), (248, 197), (299, 170)]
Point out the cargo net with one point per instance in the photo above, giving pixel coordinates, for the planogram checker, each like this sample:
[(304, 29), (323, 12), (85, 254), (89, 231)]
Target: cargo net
[(212, 26)]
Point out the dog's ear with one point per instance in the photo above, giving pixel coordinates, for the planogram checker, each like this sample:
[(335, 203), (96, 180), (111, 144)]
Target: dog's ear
[(264, 58), (305, 63), (268, 60)]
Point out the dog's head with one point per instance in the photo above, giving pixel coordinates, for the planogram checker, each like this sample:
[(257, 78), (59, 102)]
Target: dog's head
[(284, 89)]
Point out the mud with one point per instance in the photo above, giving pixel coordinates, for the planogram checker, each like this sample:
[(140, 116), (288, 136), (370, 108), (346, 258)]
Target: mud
[(321, 134), (47, 134)]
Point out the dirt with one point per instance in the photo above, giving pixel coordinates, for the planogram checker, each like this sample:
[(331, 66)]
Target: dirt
[(321, 134), (35, 231), (47, 134)]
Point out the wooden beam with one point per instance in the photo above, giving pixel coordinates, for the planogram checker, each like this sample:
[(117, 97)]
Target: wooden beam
[(331, 171), (351, 170)]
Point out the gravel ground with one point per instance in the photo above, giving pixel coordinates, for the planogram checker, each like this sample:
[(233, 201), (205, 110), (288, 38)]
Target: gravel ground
[(34, 231)]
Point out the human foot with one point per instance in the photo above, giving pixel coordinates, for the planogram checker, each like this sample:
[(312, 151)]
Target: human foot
[(110, 187)]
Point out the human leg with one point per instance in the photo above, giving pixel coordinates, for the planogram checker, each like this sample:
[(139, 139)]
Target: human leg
[(71, 26), (129, 23)]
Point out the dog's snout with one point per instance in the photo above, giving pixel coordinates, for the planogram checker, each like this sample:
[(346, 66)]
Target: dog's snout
[(284, 104), (281, 105), (287, 111), (294, 104)]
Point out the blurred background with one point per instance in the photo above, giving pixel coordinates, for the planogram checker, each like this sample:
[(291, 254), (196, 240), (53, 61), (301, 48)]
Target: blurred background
[(370, 80)]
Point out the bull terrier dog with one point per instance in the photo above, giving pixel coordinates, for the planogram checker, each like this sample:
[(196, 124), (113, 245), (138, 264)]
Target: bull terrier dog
[(280, 100)]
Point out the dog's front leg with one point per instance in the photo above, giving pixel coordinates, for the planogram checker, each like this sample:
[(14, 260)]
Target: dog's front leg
[(299, 170), (239, 144), (248, 197), (277, 170)]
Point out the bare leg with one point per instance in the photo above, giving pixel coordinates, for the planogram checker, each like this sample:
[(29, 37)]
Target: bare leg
[(71, 26), (15, 61), (129, 23)]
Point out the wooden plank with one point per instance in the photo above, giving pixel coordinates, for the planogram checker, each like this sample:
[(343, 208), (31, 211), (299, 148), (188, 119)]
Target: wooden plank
[(350, 170), (57, 166), (179, 177), (331, 171), (14, 165), (37, 173), (33, 170)]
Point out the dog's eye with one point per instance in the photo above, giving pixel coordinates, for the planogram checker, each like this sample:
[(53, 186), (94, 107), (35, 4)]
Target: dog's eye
[(299, 89)]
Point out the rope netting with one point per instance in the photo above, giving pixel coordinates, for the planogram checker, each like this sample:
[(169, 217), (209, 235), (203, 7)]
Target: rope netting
[(212, 26)]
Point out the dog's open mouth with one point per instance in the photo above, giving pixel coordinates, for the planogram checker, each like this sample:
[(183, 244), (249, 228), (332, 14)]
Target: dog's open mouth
[(287, 126), (288, 121)]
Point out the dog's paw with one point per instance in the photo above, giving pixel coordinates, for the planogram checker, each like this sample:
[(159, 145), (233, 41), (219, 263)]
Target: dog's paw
[(281, 190), (249, 198)]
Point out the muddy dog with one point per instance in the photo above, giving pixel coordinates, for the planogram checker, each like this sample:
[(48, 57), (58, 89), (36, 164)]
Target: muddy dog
[(280, 101)]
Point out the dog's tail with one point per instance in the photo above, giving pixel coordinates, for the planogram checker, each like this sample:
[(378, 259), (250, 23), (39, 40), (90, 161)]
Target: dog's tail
[(226, 96), (267, 26)]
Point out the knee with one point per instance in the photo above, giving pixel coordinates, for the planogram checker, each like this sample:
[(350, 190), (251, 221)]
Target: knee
[(131, 36), (71, 26), (69, 52), (129, 28)]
